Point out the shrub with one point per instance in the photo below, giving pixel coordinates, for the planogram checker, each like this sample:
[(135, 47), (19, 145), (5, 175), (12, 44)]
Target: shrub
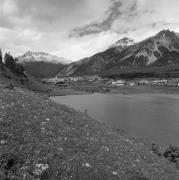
[(172, 153), (19, 69), (156, 150)]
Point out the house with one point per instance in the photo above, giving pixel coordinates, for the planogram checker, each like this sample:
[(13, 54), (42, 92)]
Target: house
[(160, 82), (118, 83), (114, 83), (131, 83), (173, 82), (121, 82)]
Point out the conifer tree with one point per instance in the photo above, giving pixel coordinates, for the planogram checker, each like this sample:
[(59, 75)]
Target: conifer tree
[(9, 62), (1, 61), (1, 57)]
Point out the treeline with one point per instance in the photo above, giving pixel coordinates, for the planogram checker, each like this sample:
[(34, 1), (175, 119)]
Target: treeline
[(11, 63), (150, 72)]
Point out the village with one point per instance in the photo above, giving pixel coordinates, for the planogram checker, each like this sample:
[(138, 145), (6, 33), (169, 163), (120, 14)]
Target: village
[(81, 80)]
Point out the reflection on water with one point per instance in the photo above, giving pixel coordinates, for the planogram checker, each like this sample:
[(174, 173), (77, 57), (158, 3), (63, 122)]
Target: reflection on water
[(150, 116)]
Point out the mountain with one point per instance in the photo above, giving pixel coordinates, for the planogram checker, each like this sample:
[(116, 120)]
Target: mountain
[(150, 52), (97, 63), (41, 56), (41, 64), (123, 43), (159, 50)]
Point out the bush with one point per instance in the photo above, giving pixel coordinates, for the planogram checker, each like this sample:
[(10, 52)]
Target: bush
[(19, 69), (156, 150), (172, 153)]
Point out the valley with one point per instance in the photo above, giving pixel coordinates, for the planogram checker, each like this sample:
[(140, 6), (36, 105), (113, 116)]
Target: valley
[(131, 91), (89, 90)]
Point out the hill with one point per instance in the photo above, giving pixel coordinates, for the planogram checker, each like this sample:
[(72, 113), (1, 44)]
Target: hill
[(13, 75)]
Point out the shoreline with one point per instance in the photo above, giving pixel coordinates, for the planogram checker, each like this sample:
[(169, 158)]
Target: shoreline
[(115, 123), (118, 90)]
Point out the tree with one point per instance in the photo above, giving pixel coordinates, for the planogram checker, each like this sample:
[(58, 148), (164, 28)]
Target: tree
[(12, 64), (1, 61), (9, 62), (0, 57), (19, 69)]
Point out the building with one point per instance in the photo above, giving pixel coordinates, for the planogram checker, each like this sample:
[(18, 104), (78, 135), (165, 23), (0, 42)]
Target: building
[(173, 82), (160, 82), (118, 83), (131, 83)]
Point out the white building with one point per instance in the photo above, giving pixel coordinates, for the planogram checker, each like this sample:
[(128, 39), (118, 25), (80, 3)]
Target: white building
[(118, 83)]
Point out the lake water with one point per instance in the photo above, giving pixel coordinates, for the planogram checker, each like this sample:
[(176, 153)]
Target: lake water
[(154, 117)]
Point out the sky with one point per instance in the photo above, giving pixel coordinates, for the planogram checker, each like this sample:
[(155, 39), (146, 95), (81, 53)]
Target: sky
[(76, 29)]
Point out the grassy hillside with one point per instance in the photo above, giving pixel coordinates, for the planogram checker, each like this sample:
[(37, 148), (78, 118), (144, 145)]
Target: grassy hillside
[(42, 140), (43, 69), (9, 79)]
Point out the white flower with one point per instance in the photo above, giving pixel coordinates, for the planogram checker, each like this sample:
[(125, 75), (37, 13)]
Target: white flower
[(106, 148), (47, 119), (40, 168), (114, 173), (2, 141), (86, 165), (60, 149)]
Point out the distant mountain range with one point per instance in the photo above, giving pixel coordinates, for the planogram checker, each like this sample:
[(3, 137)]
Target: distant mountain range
[(156, 51), (41, 64), (41, 56), (161, 50)]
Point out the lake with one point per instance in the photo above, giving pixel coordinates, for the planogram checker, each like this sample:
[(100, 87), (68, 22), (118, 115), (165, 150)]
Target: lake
[(154, 117)]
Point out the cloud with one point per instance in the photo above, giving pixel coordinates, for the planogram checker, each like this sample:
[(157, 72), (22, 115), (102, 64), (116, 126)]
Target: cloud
[(131, 15), (44, 24), (51, 15), (79, 28), (112, 13)]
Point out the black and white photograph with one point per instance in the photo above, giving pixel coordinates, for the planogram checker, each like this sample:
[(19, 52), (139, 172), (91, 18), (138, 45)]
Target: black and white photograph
[(89, 89)]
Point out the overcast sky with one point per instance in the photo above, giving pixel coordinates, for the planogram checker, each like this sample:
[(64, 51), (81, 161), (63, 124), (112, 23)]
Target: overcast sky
[(79, 28)]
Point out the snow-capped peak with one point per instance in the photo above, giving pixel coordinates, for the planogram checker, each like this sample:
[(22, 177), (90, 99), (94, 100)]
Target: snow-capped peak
[(124, 42), (41, 56)]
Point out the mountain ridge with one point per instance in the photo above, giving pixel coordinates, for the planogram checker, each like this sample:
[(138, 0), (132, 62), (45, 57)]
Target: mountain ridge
[(41, 56), (151, 51), (98, 61), (42, 64)]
